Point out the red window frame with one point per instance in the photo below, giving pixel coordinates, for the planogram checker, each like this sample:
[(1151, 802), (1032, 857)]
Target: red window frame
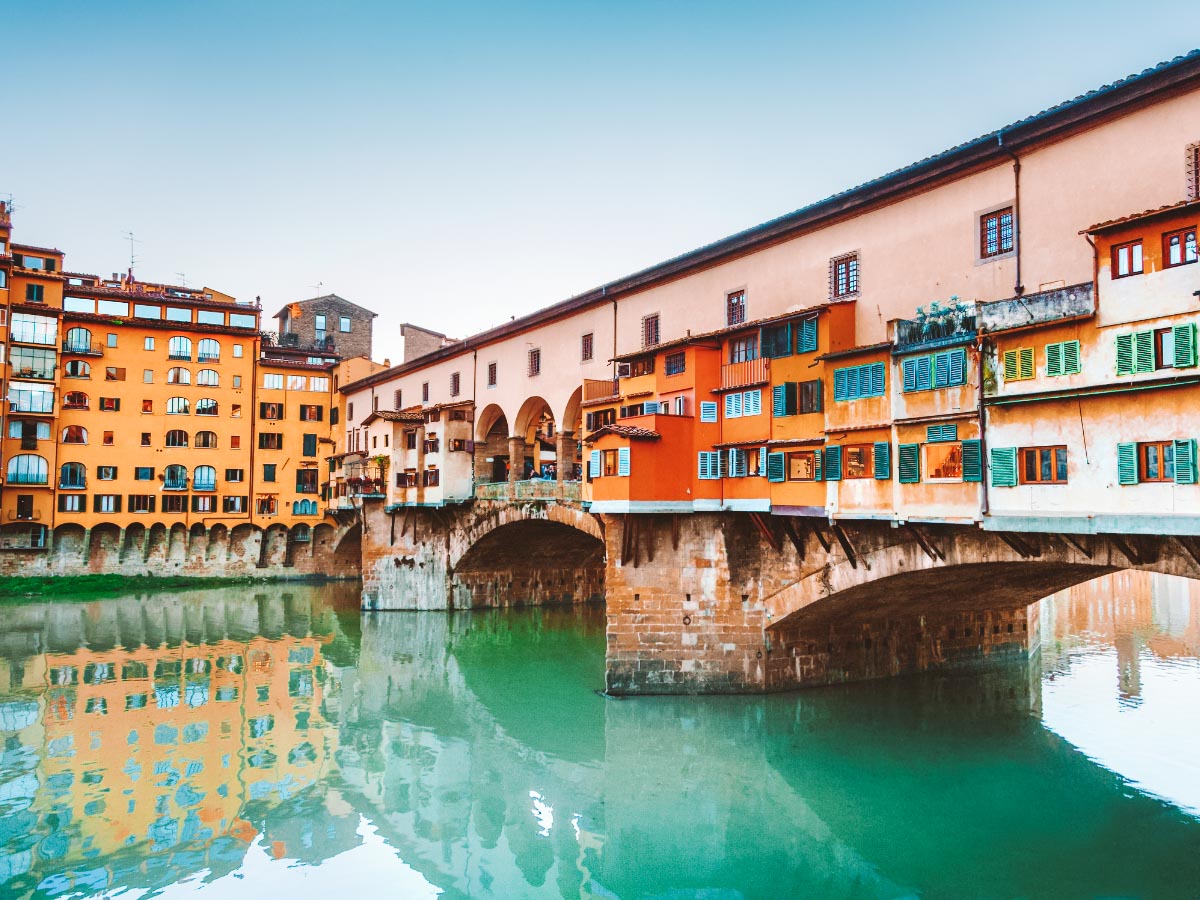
[(1118, 249), (1036, 454), (1182, 234)]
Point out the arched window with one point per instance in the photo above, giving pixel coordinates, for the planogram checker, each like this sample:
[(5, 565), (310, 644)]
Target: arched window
[(208, 351), (177, 438), (75, 400), (208, 377), (72, 475), (79, 340), (179, 348), (175, 478), (26, 468), (77, 368), (177, 406), (179, 375), (206, 407), (206, 440), (74, 434), (204, 478), (301, 534)]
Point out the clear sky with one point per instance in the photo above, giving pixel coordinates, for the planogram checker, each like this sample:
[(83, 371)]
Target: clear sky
[(456, 163)]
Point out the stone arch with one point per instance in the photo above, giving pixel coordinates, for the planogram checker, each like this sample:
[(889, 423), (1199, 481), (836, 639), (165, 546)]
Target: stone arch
[(243, 546), (351, 536), (491, 445), (177, 543), (273, 550), (156, 542), (530, 415), (218, 544), (478, 527), (572, 415), (323, 535), (299, 541), (104, 550), (487, 419), (135, 542), (69, 541)]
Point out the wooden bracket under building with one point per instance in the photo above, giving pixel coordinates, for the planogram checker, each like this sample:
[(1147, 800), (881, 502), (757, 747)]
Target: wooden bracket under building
[(392, 535), (766, 530), (1018, 545), (848, 547), (1188, 544), (931, 549), (1077, 543), (789, 528), (1121, 544), (825, 542)]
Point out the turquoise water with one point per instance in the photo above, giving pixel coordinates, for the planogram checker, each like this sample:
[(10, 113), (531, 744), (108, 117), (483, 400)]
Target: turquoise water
[(281, 745)]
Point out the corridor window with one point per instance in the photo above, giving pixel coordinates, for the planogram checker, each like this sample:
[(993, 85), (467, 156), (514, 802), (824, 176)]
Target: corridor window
[(1179, 247), (455, 384), (843, 276), (587, 347), (535, 361), (1043, 465), (735, 308), (1127, 259), (802, 466), (996, 233), (856, 461), (943, 462), (491, 378), (272, 382), (1156, 461), (650, 330)]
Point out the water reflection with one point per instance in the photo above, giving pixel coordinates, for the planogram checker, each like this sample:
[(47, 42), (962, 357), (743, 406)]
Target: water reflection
[(280, 744)]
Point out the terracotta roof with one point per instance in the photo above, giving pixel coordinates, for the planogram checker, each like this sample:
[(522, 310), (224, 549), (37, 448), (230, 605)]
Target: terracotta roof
[(1145, 214), (393, 415), (324, 297), (855, 351), (633, 432), (796, 442), (53, 250)]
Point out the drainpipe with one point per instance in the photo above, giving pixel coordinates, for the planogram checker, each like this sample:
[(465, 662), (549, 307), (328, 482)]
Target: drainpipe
[(1018, 288), (1095, 273), (983, 453), (604, 290)]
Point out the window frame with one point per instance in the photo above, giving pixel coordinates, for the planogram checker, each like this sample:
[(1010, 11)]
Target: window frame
[(1164, 447), (651, 330), (1166, 247), (868, 451), (1024, 452), (1115, 251), (927, 468), (791, 455), (997, 214), (735, 308), (843, 269)]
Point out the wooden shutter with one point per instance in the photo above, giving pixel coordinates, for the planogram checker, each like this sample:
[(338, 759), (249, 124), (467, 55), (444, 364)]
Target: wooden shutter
[(779, 401), (594, 464), (818, 468), (910, 463), (702, 466), (807, 335), (1185, 346), (840, 384), (733, 406), (1127, 467), (1011, 367), (882, 456), (1143, 351), (909, 375), (924, 373), (623, 462), (776, 463), (751, 403), (958, 366), (1185, 461), (1004, 466), (1026, 362), (1124, 354), (1054, 359), (941, 370), (708, 411), (833, 463), (972, 460), (1071, 362), (940, 434), (310, 445), (878, 377)]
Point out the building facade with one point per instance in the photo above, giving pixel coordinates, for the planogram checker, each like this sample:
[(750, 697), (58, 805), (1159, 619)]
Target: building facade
[(327, 324)]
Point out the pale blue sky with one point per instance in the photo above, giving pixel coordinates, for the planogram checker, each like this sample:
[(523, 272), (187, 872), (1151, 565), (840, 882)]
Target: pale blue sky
[(454, 164)]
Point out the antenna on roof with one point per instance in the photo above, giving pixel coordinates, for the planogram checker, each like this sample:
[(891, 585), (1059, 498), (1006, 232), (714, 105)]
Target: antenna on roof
[(317, 287), (182, 279), (132, 258), (12, 204)]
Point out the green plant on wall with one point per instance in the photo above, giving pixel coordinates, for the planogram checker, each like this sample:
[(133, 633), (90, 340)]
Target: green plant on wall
[(381, 461)]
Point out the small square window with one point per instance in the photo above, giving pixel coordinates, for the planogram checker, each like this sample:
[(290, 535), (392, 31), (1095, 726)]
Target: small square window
[(147, 406), (235, 442), (1127, 259), (843, 276), (735, 308), (148, 343), (237, 351), (344, 324), (586, 347), (112, 339), (145, 439), (996, 233), (1179, 248), (237, 381), (108, 439), (147, 376)]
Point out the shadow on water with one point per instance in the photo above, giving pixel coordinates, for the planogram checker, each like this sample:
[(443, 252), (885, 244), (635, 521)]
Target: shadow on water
[(212, 733)]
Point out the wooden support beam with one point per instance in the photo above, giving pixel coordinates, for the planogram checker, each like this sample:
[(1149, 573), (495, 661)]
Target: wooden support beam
[(1121, 544), (1077, 543), (768, 533), (848, 547), (392, 536), (825, 542), (789, 528), (674, 531), (1188, 545), (931, 550), (1018, 546), (652, 521)]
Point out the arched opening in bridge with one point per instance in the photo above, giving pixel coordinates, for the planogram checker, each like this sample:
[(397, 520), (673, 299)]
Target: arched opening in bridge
[(535, 429), (491, 446), (530, 562)]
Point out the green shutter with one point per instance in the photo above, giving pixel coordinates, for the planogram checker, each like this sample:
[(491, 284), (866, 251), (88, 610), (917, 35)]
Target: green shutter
[(1185, 461), (1143, 351), (1127, 464), (910, 463), (1004, 466), (806, 337), (909, 370), (779, 401), (972, 460), (1054, 359), (1185, 346), (941, 434), (1124, 354), (775, 467), (1071, 365), (310, 445), (883, 460), (818, 472), (833, 463)]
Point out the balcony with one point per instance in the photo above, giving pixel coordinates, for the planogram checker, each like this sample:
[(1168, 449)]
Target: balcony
[(1043, 308), (534, 489), (745, 374), (365, 481), (33, 478), (204, 486), (175, 484), (83, 348), (76, 485), (39, 336), (34, 403), (594, 389)]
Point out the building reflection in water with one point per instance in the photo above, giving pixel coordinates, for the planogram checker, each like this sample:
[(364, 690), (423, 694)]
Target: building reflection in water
[(213, 735)]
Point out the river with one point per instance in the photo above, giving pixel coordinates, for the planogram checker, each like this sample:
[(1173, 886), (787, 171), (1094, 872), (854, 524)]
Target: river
[(278, 743)]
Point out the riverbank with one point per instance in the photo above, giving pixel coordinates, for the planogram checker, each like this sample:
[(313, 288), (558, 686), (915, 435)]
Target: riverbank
[(16, 588)]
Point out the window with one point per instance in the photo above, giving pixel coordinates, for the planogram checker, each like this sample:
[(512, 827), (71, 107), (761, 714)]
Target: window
[(309, 445), (34, 293), (1127, 259), (266, 505), (587, 347), (735, 308), (145, 440), (148, 343), (856, 461), (141, 503), (75, 400), (1043, 465), (233, 504), (106, 473), (609, 462), (843, 276), (856, 382), (996, 233), (306, 481), (72, 475), (72, 503), (296, 382), (272, 381), (237, 381), (743, 349), (319, 324), (179, 375), (77, 368), (776, 340), (535, 361), (208, 350), (107, 439), (923, 373), (802, 466), (491, 376), (455, 383), (208, 378), (374, 402), (204, 478), (143, 473), (268, 471), (396, 399), (1156, 461), (944, 461), (26, 468), (1018, 364), (178, 406), (235, 475), (1063, 358), (106, 503), (1179, 247), (175, 478), (1163, 348), (311, 413), (237, 351), (147, 376), (78, 340), (206, 406), (681, 405), (206, 440), (270, 440), (675, 363), (74, 434), (317, 383), (235, 411), (601, 418), (110, 404), (344, 324), (175, 438), (179, 348), (273, 411), (650, 331), (174, 504), (204, 504)]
